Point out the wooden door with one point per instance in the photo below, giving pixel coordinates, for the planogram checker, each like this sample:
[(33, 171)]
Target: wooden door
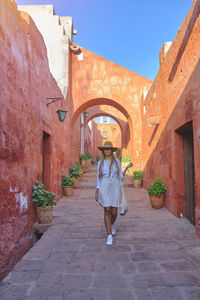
[(46, 159), (188, 148)]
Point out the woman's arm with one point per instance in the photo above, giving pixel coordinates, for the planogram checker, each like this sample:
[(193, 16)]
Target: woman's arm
[(98, 182), (129, 166)]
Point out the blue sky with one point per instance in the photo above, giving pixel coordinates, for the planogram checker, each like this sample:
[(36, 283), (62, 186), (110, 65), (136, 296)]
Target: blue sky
[(127, 32)]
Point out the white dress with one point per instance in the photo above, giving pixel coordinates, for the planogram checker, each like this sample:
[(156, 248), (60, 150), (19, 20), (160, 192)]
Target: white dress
[(109, 187)]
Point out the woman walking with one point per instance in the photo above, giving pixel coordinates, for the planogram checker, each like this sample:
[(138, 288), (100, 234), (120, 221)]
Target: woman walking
[(109, 173)]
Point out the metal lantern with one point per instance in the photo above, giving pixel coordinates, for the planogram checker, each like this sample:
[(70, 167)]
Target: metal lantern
[(85, 114), (61, 114)]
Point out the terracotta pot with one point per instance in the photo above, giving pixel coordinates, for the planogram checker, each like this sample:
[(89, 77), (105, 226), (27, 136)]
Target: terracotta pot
[(157, 202), (45, 214), (83, 163), (89, 164), (68, 190), (76, 180), (137, 183)]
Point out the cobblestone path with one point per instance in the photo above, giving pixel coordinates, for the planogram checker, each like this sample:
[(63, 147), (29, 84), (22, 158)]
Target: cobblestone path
[(154, 256)]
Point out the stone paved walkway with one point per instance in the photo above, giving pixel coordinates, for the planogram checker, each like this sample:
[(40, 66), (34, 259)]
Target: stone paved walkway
[(154, 255)]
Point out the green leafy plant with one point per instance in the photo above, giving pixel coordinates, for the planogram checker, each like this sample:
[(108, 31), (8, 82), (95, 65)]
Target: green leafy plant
[(83, 157), (118, 152), (98, 158), (88, 155), (78, 166), (157, 188), (138, 174), (74, 171), (126, 159), (41, 196), (67, 181)]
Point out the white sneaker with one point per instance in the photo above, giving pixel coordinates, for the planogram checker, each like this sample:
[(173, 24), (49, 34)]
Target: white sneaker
[(109, 240), (113, 229)]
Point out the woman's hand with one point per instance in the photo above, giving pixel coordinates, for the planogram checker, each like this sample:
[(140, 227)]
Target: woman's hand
[(97, 195), (130, 165)]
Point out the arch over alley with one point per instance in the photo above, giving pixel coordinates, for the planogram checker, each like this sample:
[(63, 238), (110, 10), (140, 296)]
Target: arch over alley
[(94, 105), (98, 81)]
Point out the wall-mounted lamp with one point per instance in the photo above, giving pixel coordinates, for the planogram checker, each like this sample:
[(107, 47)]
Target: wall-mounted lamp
[(61, 113), (85, 114)]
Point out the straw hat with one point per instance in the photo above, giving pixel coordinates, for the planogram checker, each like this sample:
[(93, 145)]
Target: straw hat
[(109, 146)]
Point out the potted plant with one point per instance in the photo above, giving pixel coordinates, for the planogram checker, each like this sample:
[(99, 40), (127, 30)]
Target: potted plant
[(125, 161), (80, 168), (89, 158), (44, 201), (98, 158), (137, 178), (118, 154), (68, 184), (92, 160), (83, 160), (157, 192), (74, 173)]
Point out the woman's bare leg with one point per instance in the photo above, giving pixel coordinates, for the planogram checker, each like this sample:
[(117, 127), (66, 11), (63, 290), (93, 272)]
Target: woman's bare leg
[(107, 219), (113, 211)]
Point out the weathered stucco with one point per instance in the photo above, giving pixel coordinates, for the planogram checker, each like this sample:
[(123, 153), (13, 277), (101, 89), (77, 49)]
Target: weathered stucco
[(25, 84), (57, 33), (174, 97), (150, 115), (97, 81)]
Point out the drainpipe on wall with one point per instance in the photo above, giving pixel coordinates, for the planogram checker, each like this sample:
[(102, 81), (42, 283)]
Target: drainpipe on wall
[(82, 134)]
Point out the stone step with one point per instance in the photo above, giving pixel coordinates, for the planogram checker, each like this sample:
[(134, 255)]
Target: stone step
[(87, 185), (86, 179), (92, 184), (91, 170)]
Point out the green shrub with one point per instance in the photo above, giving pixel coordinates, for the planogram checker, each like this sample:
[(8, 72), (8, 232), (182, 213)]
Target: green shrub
[(98, 158), (126, 159), (138, 174), (83, 157), (41, 196), (88, 155), (118, 152), (157, 188), (78, 166), (74, 171), (67, 181)]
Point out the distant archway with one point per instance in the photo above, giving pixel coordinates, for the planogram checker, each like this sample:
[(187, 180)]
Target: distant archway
[(127, 142), (122, 125)]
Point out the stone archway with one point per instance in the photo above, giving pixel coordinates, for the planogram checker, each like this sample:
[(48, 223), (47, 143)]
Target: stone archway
[(110, 111), (124, 127), (128, 146), (97, 81)]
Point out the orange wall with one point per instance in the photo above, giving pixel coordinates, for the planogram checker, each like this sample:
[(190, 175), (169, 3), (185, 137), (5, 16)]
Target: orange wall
[(113, 135), (97, 81), (174, 97), (25, 83)]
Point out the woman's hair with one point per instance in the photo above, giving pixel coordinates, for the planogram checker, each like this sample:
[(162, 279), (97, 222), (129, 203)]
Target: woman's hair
[(111, 163)]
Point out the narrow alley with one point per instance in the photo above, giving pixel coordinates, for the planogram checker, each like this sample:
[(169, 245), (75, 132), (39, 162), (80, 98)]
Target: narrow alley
[(154, 256)]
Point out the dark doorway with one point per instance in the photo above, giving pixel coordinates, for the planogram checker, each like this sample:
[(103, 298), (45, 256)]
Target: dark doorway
[(46, 159), (189, 173)]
